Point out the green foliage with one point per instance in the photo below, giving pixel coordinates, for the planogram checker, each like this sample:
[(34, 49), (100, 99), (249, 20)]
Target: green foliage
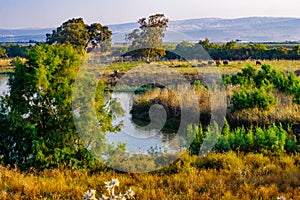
[(16, 50), (296, 98), (80, 35), (242, 78), (146, 42), (197, 84), (196, 137), (3, 53), (233, 51), (290, 85), (257, 86), (270, 139), (36, 118), (258, 98)]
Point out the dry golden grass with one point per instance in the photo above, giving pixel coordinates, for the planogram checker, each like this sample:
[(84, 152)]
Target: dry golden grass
[(5, 62), (189, 99), (285, 111), (216, 176)]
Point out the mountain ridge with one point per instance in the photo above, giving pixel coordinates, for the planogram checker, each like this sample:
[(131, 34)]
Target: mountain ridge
[(254, 29)]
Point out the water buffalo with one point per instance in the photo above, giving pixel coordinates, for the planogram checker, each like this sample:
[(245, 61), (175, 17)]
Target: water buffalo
[(258, 62), (210, 62), (218, 63), (225, 62)]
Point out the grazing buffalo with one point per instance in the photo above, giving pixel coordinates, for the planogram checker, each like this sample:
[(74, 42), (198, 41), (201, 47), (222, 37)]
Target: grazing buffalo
[(218, 63), (225, 62), (258, 62), (297, 73), (201, 65), (210, 62)]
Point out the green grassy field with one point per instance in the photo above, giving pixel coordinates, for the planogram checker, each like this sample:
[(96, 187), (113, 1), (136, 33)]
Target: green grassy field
[(190, 67)]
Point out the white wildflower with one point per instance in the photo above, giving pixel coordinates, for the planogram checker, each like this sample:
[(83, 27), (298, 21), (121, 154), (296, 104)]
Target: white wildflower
[(115, 182), (110, 186), (90, 194), (280, 198)]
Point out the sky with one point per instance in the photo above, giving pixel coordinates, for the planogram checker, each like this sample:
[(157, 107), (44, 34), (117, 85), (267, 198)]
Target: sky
[(15, 14)]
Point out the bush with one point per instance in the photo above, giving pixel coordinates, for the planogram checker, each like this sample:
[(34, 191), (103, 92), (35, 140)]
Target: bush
[(271, 139), (257, 98), (266, 78)]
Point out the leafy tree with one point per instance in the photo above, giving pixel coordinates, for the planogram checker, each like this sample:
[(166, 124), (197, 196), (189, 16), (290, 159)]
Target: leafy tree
[(231, 45), (205, 43), (185, 49), (80, 35), (16, 50), (36, 118), (2, 52), (148, 39)]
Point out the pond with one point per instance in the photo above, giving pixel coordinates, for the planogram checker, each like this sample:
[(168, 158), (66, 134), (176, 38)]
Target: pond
[(137, 138), (3, 84)]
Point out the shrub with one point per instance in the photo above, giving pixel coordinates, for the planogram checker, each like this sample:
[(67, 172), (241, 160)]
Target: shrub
[(270, 139), (265, 78), (257, 98)]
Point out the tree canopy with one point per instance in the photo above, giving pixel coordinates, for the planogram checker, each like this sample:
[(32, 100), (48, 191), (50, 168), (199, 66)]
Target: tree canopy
[(147, 41), (3, 53), (36, 119), (233, 51), (80, 35)]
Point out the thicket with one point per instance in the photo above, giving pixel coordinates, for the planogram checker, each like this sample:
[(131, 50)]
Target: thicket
[(233, 51), (257, 87), (16, 50), (273, 139)]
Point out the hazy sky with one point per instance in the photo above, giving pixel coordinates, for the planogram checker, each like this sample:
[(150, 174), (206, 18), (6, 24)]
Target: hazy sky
[(52, 13)]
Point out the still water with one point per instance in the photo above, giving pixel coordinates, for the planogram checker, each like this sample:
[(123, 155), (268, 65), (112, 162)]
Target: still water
[(137, 138), (3, 84)]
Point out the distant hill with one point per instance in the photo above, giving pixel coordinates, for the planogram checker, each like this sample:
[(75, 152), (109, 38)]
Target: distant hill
[(23, 35), (254, 29)]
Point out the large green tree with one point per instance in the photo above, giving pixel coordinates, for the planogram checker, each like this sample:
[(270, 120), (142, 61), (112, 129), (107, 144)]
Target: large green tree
[(147, 41), (36, 119), (80, 35)]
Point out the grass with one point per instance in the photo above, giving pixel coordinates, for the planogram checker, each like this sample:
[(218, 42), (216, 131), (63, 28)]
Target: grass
[(285, 111), (216, 176), (189, 68), (5, 62), (5, 65)]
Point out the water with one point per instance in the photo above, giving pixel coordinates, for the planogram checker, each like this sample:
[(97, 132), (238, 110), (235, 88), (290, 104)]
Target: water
[(3, 84), (136, 138)]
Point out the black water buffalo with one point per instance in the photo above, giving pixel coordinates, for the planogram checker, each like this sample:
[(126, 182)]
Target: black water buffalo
[(225, 62), (297, 73), (218, 63), (210, 62)]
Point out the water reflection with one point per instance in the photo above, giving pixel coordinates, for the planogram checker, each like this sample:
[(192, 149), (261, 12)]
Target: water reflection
[(137, 138), (3, 84)]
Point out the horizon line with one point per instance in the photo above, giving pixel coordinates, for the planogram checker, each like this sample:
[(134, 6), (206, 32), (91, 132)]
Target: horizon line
[(201, 18)]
